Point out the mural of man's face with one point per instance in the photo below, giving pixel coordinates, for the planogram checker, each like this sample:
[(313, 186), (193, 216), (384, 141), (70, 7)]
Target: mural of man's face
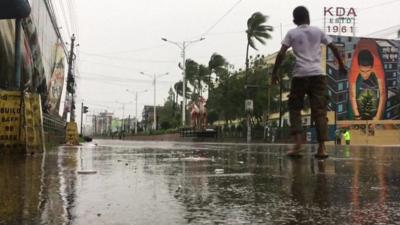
[(365, 71)]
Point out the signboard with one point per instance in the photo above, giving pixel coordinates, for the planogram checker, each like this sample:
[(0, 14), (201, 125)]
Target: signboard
[(371, 89), (339, 20), (248, 105), (21, 122), (56, 81), (41, 51), (10, 112), (33, 135), (71, 134)]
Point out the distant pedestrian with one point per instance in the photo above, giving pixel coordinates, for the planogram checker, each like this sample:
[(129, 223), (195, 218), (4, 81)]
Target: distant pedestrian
[(308, 77), (346, 136), (338, 135)]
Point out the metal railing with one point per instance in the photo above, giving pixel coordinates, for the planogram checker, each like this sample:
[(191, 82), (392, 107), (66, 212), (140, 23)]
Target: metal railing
[(54, 128)]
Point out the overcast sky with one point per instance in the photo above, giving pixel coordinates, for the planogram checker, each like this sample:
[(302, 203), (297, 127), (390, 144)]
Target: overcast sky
[(120, 38)]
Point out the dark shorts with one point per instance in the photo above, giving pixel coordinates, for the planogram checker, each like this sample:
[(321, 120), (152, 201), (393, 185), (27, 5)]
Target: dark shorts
[(316, 89)]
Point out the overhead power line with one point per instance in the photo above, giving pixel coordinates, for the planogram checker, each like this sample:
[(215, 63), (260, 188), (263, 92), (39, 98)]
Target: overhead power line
[(388, 30), (130, 59), (130, 51), (379, 5), (220, 19)]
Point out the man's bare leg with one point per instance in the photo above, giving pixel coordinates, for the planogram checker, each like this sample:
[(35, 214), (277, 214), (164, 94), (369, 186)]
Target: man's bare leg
[(298, 143), (321, 152)]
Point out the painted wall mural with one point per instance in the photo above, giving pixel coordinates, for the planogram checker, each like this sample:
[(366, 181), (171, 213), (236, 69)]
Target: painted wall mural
[(371, 89), (43, 57)]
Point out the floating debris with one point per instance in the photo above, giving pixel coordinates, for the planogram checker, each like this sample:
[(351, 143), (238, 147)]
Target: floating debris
[(218, 171), (87, 172)]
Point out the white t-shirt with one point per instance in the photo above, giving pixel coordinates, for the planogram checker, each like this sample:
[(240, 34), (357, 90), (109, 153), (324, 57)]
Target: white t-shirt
[(306, 43)]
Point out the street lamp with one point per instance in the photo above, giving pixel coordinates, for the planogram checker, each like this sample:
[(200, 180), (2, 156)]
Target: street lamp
[(182, 46), (136, 98), (123, 114), (154, 84)]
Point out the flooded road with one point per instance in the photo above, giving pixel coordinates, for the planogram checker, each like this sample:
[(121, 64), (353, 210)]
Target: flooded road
[(200, 183)]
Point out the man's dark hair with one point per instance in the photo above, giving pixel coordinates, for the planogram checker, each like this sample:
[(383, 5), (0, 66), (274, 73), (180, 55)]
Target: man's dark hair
[(301, 15), (365, 58)]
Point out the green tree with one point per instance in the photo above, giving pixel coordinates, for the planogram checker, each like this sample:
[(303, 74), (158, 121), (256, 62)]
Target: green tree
[(256, 30), (178, 86), (196, 74), (167, 115), (217, 65)]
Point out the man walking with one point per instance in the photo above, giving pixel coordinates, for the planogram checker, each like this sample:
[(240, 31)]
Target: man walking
[(308, 78)]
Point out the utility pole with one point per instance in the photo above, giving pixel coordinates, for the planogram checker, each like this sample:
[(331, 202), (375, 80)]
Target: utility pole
[(183, 47), (95, 125), (71, 81), (184, 84), (123, 114), (136, 118), (136, 102), (154, 108), (81, 118), (155, 105)]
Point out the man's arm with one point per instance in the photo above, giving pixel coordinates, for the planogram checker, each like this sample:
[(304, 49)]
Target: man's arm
[(353, 101), (278, 62), (382, 99), (335, 51)]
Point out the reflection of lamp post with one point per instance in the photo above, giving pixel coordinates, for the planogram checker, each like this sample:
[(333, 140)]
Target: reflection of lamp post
[(183, 46), (154, 84), (136, 98)]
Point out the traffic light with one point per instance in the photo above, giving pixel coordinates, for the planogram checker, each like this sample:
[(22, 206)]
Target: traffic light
[(85, 109)]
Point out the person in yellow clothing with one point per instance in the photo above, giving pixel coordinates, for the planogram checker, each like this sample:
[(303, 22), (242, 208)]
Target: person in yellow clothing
[(346, 136)]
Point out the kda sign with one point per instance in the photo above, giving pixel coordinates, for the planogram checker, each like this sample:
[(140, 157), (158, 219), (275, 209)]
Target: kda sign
[(339, 20), (340, 12)]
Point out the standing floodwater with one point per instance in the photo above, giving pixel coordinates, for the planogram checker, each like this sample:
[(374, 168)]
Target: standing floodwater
[(200, 183)]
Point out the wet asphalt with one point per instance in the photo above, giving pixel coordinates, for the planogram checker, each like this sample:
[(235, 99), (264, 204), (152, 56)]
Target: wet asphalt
[(128, 182)]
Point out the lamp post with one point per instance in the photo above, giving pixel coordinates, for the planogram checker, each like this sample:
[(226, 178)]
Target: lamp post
[(183, 45), (155, 88), (123, 114), (136, 101)]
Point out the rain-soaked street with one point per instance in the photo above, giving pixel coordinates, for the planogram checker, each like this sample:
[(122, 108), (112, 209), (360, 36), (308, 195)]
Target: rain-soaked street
[(200, 183)]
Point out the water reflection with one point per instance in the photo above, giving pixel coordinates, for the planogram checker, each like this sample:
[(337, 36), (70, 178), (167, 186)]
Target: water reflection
[(199, 183)]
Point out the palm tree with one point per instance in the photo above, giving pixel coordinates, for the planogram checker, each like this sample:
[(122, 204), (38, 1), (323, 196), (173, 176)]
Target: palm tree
[(216, 64), (202, 77), (256, 30)]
